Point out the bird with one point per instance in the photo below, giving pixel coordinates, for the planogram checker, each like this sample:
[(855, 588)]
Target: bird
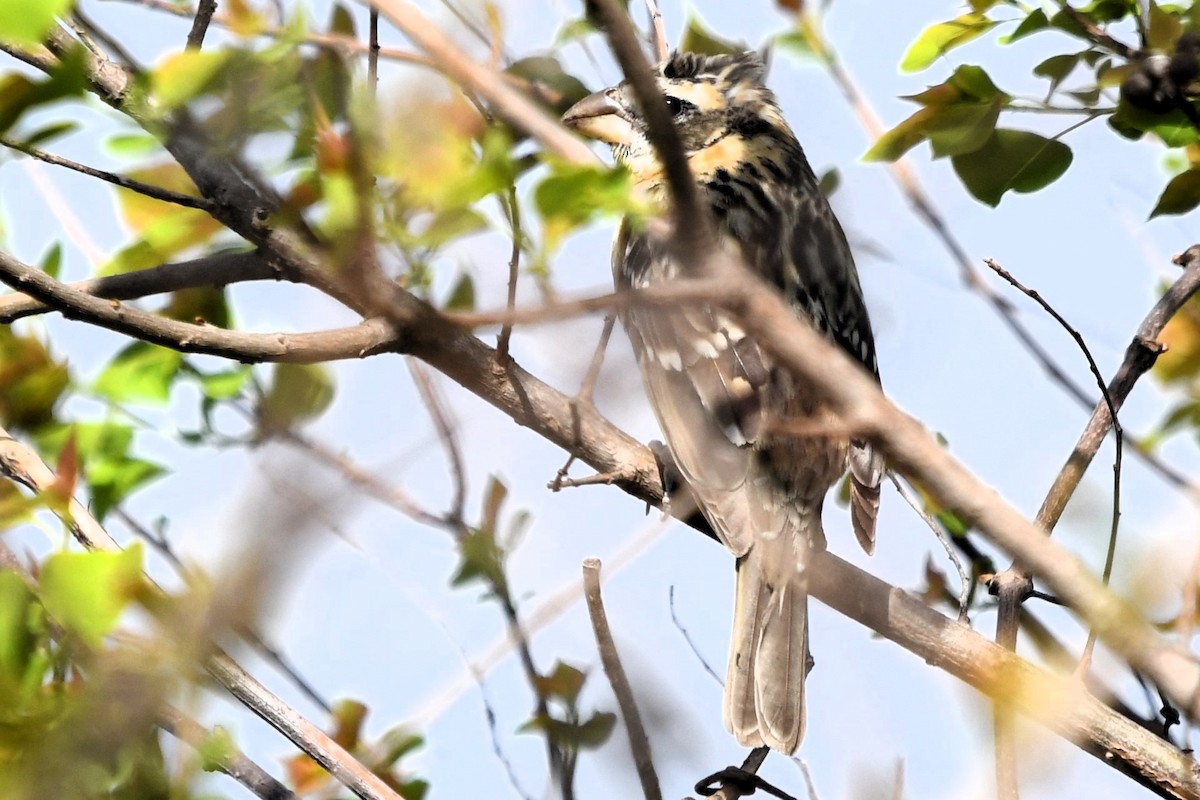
[(755, 445)]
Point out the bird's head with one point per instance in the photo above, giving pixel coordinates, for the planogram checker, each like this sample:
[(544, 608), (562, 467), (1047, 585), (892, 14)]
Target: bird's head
[(722, 111)]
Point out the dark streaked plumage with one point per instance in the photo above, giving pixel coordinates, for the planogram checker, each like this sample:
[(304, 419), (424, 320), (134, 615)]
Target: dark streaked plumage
[(723, 406)]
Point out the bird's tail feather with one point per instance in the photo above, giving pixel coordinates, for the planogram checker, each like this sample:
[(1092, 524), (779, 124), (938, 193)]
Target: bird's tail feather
[(768, 661)]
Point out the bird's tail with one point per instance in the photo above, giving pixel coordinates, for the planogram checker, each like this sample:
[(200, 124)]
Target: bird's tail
[(768, 657)]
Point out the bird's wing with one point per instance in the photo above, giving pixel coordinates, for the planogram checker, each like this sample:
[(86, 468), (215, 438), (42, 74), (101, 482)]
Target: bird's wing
[(706, 382)]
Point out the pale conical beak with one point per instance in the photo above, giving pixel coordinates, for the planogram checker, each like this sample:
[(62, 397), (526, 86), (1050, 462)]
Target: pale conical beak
[(600, 116)]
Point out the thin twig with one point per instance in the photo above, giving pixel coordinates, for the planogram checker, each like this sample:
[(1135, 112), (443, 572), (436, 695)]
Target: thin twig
[(1098, 35), (228, 759), (204, 14), (156, 192), (687, 637), (965, 582), (658, 36), (513, 207), (447, 430), (639, 743), (373, 50)]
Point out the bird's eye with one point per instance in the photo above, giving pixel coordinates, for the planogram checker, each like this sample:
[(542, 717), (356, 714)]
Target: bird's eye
[(674, 105)]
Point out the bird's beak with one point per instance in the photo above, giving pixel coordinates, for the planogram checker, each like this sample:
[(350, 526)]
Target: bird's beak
[(600, 116)]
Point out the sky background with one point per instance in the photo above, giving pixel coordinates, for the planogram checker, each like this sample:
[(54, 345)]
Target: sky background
[(367, 611)]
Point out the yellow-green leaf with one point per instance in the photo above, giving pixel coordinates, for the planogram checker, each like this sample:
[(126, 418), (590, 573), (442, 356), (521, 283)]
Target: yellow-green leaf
[(298, 393), (1181, 194), (86, 592), (937, 39), (27, 22), (183, 75)]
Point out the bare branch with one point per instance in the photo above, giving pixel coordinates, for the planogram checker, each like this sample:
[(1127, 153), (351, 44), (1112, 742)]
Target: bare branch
[(359, 341), (639, 743), (220, 269), (233, 762), (204, 15)]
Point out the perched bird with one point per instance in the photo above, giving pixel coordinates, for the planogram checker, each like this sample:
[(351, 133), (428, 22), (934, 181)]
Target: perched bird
[(756, 446)]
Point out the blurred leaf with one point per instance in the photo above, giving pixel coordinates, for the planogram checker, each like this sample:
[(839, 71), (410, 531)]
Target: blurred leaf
[(86, 592), (32, 380), (132, 145), (19, 93), (937, 39), (574, 195), (590, 734), (184, 74), (596, 730), (306, 776), (244, 19), (217, 750), (53, 130), (449, 226), (1180, 362), (348, 717), (396, 743), (1057, 68), (110, 471), (697, 38), (462, 296), (935, 584), (548, 83), (165, 229), (20, 625), (1164, 29), (205, 305), (563, 683), (140, 372), (52, 261), (479, 558), (26, 23), (1020, 161), (298, 393), (1172, 127), (1181, 194), (223, 385), (829, 181), (341, 21)]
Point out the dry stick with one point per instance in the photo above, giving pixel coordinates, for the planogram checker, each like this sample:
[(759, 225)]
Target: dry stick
[(24, 466), (204, 15), (923, 206), (639, 743), (658, 35), (156, 192)]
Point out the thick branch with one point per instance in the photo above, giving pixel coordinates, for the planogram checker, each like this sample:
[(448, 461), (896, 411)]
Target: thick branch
[(359, 341), (216, 270)]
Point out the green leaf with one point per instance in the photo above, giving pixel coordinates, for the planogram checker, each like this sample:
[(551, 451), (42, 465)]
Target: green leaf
[(52, 261), (596, 730), (183, 75), (132, 145), (140, 372), (1035, 21), (573, 195), (223, 385), (27, 22), (20, 625), (480, 559), (217, 750), (19, 94), (548, 83), (1020, 161), (1057, 68), (298, 393), (109, 469), (937, 39), (462, 296), (563, 683), (33, 381), (86, 592), (699, 39), (1181, 194), (1164, 29), (962, 128)]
